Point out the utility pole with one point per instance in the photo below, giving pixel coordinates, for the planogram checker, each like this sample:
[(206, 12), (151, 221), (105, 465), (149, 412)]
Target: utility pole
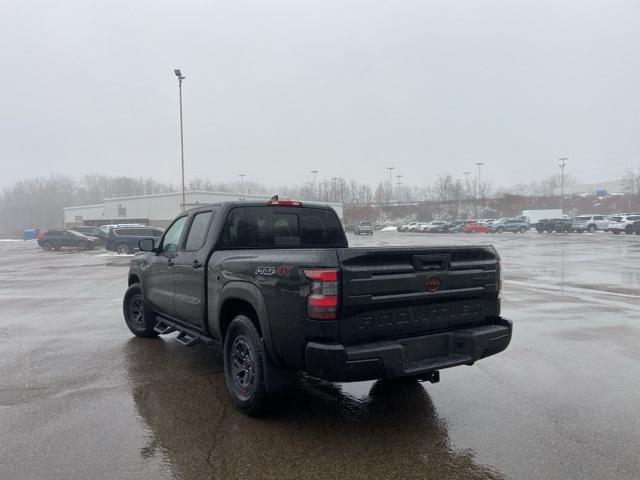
[(242, 175), (398, 185), (563, 162), (391, 169), (180, 78), (479, 192), (468, 186), (315, 181)]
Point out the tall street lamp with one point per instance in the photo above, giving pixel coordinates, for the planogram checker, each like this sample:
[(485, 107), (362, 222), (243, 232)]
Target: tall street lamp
[(242, 175), (562, 164), (479, 165), (180, 78), (315, 183), (391, 169)]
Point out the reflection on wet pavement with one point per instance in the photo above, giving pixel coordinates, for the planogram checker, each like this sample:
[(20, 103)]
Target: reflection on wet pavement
[(190, 421)]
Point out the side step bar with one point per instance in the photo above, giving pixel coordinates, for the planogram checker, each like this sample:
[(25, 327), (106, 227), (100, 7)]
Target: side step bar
[(186, 336)]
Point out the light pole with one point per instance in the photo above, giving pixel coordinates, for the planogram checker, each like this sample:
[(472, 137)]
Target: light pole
[(466, 181), (242, 175), (479, 165), (335, 188), (398, 185), (315, 183), (391, 169), (180, 78), (563, 162)]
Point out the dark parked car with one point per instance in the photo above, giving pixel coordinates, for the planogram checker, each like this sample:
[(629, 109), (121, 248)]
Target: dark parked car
[(92, 232), (125, 239), (277, 286), (559, 225), (56, 239), (364, 228), (636, 227)]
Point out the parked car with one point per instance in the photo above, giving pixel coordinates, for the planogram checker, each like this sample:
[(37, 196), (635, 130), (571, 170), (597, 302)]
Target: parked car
[(277, 286), (436, 227), (57, 239), (515, 225), (636, 227), (623, 222), (125, 239), (590, 223), (107, 228), (417, 227), (92, 232), (406, 227), (559, 225), (364, 228), (475, 228)]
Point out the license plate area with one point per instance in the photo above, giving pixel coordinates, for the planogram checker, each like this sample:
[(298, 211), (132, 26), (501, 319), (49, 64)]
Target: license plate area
[(427, 347)]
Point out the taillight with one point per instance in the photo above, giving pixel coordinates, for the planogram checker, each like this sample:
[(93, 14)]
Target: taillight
[(499, 274), (322, 302), (285, 202)]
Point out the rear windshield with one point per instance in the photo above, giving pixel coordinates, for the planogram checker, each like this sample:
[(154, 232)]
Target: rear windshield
[(583, 218), (282, 227)]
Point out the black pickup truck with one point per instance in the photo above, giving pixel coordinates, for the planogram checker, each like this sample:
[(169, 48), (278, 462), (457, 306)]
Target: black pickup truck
[(276, 285)]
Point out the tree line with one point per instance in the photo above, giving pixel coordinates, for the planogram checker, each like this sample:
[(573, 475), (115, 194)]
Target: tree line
[(39, 201)]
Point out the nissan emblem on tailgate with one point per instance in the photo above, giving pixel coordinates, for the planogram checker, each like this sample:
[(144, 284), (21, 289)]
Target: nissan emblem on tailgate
[(432, 283)]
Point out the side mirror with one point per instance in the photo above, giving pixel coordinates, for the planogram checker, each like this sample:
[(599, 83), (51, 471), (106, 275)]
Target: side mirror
[(146, 245)]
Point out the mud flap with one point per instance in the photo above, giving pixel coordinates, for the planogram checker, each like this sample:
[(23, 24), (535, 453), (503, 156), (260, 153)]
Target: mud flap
[(276, 379)]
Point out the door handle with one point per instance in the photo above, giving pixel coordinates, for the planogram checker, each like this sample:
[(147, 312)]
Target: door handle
[(170, 263), (196, 264)]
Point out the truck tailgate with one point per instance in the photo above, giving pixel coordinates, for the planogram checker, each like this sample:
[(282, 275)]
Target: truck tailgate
[(395, 292)]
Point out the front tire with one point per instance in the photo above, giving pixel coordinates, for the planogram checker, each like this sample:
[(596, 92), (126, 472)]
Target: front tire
[(47, 246), (122, 249), (138, 317), (592, 228), (244, 366)]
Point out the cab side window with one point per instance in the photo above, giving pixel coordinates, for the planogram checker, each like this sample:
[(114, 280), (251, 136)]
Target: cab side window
[(172, 237), (198, 231)]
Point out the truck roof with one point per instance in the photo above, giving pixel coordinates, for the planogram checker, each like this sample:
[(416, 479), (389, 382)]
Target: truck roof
[(285, 203)]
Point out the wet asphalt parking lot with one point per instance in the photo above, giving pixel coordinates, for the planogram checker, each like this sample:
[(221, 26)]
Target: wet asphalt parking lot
[(81, 398)]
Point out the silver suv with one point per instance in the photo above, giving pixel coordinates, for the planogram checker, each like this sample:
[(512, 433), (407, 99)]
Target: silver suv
[(623, 222), (590, 223)]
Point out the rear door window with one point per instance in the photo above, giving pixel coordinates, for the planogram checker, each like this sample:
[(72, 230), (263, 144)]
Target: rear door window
[(248, 227)]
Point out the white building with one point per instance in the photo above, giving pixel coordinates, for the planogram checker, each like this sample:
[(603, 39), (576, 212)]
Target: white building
[(159, 209)]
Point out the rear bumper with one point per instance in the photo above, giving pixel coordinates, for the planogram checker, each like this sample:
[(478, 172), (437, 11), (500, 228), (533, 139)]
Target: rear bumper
[(409, 356)]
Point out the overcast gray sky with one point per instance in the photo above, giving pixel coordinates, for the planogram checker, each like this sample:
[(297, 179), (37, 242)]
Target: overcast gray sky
[(275, 89)]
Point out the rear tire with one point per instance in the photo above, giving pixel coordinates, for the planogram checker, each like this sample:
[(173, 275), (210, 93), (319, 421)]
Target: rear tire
[(616, 232), (628, 230), (522, 229), (82, 245), (138, 317), (500, 230), (47, 246), (244, 366), (592, 228)]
